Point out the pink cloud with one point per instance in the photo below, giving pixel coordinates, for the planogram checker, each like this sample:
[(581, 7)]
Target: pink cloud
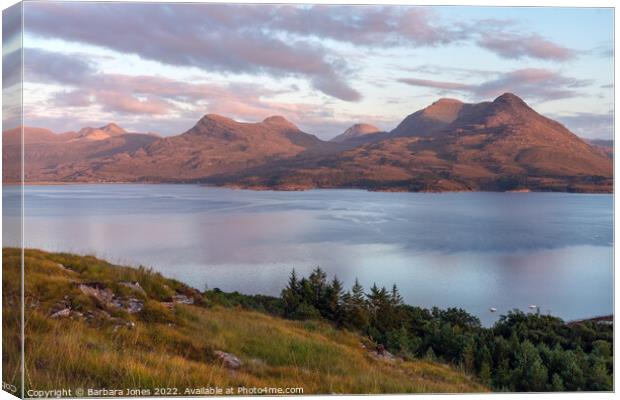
[(519, 46), (435, 84), (531, 83)]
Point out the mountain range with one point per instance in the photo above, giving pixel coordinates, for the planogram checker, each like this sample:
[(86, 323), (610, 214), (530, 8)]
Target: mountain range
[(496, 145)]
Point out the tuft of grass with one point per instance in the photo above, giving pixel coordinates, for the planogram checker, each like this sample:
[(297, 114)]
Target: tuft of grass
[(176, 347)]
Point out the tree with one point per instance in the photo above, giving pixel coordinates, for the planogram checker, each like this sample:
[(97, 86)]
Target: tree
[(291, 295), (530, 374), (355, 308), (469, 356), (333, 301), (396, 299), (318, 285), (597, 377), (556, 383)]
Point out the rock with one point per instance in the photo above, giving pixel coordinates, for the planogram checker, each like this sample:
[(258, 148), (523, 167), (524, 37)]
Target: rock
[(182, 299), (65, 312), (116, 303), (59, 265), (229, 361), (386, 356), (134, 305), (382, 354), (97, 290), (107, 298), (135, 286)]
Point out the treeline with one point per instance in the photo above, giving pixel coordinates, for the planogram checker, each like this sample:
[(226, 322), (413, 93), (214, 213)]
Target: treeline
[(521, 352)]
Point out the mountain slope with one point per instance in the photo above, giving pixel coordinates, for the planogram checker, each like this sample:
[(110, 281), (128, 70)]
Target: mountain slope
[(45, 151), (356, 131), (162, 341), (499, 145), (216, 144), (606, 146), (431, 119)]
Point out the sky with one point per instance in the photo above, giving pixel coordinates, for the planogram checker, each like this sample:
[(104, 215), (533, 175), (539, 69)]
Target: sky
[(160, 67)]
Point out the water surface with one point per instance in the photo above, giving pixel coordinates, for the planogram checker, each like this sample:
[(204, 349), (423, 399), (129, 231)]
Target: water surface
[(469, 250)]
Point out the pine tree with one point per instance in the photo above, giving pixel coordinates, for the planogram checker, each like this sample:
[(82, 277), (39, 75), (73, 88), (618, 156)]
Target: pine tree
[(355, 308), (318, 285), (395, 298), (333, 301), (291, 295)]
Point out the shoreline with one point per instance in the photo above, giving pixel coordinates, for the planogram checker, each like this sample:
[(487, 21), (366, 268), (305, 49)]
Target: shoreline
[(601, 318), (308, 189)]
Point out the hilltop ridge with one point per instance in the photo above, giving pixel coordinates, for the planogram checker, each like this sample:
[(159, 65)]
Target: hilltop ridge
[(450, 145)]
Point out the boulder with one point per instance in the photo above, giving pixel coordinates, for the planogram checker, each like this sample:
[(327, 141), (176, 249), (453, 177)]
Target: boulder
[(229, 361), (134, 305), (182, 299), (135, 286), (98, 291), (65, 312)]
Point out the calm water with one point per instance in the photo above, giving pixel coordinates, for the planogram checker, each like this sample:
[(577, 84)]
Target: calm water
[(471, 250)]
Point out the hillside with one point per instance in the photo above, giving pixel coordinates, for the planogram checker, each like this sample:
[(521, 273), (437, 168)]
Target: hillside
[(120, 327), (451, 146), (45, 151), (606, 146), (356, 131), (216, 144), (448, 146)]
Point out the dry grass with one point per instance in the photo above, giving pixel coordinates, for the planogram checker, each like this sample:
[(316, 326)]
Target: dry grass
[(179, 352)]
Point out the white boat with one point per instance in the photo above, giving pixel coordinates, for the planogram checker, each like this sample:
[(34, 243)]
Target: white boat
[(492, 309)]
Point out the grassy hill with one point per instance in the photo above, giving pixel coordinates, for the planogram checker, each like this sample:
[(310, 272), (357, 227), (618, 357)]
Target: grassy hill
[(89, 325)]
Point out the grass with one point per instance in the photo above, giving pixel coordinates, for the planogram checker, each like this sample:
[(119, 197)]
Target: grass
[(175, 347)]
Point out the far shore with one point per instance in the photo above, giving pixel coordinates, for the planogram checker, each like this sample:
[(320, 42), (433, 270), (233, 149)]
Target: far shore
[(298, 188)]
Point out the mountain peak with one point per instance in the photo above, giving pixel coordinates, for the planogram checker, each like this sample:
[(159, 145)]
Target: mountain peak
[(102, 132), (509, 98), (279, 121), (215, 118), (448, 100), (112, 129), (355, 131)]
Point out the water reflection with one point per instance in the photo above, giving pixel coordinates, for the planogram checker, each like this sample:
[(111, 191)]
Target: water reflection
[(473, 250)]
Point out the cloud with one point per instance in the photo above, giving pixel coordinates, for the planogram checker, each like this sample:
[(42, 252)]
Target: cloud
[(11, 68), (589, 125), (531, 83), (42, 65), (515, 46), (276, 40), (192, 35), (157, 103), (435, 84), (534, 83), (367, 25)]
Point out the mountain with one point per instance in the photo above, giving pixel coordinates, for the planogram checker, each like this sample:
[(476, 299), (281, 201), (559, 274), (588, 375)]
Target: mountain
[(215, 144), (356, 131), (45, 151), (448, 146), (102, 133), (495, 145), (606, 146), (431, 119)]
